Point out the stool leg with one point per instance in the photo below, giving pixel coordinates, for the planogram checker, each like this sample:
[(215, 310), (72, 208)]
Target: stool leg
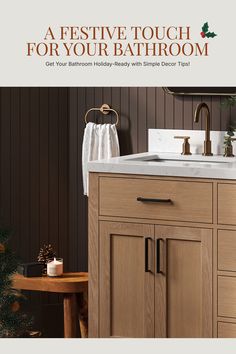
[(82, 301), (70, 315)]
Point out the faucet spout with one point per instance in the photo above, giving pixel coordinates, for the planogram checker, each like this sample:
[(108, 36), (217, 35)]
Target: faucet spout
[(207, 142)]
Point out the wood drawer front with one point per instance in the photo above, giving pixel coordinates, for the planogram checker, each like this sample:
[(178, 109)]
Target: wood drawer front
[(226, 296), (192, 201), (227, 250), (226, 330), (227, 204)]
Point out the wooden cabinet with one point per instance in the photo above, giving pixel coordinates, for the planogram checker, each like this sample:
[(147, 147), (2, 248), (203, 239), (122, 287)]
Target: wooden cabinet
[(126, 289), (227, 296), (186, 227), (226, 248), (227, 203), (188, 201), (154, 283), (183, 286), (226, 260)]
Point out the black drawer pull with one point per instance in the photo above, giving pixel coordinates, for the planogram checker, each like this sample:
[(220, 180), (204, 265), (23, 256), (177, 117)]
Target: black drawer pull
[(153, 200), (158, 256), (146, 255)]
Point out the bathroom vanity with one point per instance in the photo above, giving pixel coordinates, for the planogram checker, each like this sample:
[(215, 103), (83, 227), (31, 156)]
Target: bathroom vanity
[(162, 245)]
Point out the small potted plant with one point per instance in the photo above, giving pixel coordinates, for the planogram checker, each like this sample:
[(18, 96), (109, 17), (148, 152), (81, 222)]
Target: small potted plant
[(228, 148)]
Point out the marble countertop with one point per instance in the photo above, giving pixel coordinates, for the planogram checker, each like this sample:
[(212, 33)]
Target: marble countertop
[(166, 164)]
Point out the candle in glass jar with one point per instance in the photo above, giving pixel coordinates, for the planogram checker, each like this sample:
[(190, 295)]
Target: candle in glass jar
[(55, 268)]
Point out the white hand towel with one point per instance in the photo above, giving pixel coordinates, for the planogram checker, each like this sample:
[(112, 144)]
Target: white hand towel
[(100, 142)]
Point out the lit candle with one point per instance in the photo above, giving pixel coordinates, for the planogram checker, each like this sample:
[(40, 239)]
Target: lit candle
[(55, 268)]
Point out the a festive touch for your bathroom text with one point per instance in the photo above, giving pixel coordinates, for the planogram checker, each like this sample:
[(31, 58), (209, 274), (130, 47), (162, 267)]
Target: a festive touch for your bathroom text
[(118, 41)]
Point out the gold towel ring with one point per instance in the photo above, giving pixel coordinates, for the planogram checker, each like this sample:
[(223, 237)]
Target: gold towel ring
[(104, 109)]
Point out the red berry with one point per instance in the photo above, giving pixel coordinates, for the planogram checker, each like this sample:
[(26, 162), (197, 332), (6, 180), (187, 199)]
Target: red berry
[(203, 34)]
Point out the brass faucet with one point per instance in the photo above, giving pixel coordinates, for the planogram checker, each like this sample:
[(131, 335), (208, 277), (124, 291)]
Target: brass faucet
[(207, 142)]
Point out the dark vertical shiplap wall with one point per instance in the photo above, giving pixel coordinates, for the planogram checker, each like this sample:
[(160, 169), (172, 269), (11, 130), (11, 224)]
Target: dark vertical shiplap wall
[(34, 168), (34, 181), (41, 195)]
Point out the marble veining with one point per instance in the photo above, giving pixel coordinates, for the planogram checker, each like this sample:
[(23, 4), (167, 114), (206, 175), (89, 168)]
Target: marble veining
[(162, 140)]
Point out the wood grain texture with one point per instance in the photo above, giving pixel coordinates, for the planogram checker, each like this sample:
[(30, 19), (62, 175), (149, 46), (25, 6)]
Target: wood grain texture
[(161, 301), (226, 330), (70, 315), (93, 252), (68, 283), (185, 198), (186, 308), (227, 203), (227, 296), (214, 260), (227, 250), (184, 288), (126, 290), (82, 303), (214, 281)]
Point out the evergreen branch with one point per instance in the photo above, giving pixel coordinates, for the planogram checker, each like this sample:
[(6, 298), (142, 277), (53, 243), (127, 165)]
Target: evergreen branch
[(13, 322), (229, 101)]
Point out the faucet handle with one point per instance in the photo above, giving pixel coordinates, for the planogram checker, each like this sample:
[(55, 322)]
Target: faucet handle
[(185, 146)]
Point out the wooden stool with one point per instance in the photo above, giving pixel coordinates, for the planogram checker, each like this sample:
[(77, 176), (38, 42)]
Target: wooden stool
[(74, 287)]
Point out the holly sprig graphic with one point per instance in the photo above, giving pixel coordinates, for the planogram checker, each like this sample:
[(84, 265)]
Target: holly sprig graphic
[(205, 31)]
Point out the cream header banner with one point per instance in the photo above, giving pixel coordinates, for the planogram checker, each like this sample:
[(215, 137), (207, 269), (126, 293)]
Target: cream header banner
[(123, 43)]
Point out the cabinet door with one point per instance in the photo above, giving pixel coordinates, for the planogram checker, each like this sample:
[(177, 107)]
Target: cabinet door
[(183, 282), (126, 280)]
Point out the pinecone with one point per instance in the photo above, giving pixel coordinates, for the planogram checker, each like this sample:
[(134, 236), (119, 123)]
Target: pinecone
[(46, 254)]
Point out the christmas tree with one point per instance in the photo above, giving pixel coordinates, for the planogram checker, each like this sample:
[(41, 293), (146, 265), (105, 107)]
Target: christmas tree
[(13, 322)]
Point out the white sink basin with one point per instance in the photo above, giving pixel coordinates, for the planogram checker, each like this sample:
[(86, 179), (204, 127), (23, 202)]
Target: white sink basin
[(183, 158)]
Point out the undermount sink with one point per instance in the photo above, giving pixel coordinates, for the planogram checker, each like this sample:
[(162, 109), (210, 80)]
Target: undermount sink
[(185, 160), (190, 159)]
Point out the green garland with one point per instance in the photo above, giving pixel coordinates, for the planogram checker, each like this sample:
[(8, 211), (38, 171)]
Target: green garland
[(13, 322)]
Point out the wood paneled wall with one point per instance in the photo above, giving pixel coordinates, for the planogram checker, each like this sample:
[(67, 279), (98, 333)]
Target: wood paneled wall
[(34, 168), (34, 180), (41, 131)]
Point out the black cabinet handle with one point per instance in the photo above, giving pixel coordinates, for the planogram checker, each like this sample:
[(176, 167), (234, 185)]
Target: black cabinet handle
[(158, 256), (153, 200), (146, 255)]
